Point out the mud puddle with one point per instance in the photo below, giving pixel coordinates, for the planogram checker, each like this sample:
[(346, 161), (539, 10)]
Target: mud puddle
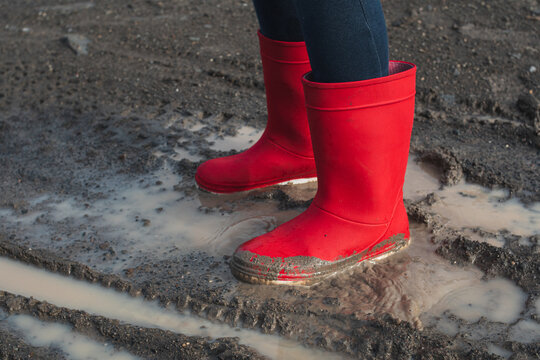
[(473, 206), (484, 214), (418, 286), (74, 346), (73, 294), (493, 311), (160, 216), (197, 137), (245, 137), (144, 217)]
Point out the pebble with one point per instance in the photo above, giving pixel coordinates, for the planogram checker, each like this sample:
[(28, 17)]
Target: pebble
[(76, 42)]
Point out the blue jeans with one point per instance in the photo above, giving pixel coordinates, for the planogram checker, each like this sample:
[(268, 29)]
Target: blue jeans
[(346, 39)]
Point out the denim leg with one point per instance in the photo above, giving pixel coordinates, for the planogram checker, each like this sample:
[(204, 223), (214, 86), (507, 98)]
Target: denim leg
[(346, 39), (278, 20)]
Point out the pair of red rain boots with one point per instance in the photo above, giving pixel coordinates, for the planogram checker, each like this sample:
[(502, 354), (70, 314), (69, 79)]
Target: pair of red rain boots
[(355, 138)]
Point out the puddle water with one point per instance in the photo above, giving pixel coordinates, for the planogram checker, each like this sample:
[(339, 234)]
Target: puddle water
[(245, 137), (419, 182), (472, 206), (418, 286), (145, 217), (487, 310), (526, 331), (405, 285), (148, 216), (497, 350), (497, 300), (73, 294), (62, 337)]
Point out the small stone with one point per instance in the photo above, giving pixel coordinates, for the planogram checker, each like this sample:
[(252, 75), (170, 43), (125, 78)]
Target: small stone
[(77, 43), (146, 222)]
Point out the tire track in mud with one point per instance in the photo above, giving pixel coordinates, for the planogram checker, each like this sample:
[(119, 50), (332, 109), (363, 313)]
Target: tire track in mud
[(148, 343), (144, 315)]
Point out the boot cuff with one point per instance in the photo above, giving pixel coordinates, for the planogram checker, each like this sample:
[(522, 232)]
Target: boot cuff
[(283, 51), (397, 86)]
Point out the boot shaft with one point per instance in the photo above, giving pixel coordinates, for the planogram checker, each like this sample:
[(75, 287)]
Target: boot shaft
[(360, 133), (284, 64)]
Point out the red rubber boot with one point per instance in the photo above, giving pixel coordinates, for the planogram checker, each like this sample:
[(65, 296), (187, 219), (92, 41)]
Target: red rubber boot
[(284, 152), (360, 133)]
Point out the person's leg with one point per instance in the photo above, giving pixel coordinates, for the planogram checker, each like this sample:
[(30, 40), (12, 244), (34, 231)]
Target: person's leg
[(346, 39), (278, 20)]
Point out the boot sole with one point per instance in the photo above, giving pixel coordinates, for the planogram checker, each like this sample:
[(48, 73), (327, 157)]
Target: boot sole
[(398, 242), (283, 183)]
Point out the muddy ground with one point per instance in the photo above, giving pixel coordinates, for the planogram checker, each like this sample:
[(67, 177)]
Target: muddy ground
[(91, 91)]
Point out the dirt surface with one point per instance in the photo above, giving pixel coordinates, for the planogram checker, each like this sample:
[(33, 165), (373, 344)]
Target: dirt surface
[(90, 91)]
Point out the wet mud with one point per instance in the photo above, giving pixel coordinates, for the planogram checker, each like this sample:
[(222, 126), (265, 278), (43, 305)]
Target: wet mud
[(14, 347), (147, 343), (107, 108)]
